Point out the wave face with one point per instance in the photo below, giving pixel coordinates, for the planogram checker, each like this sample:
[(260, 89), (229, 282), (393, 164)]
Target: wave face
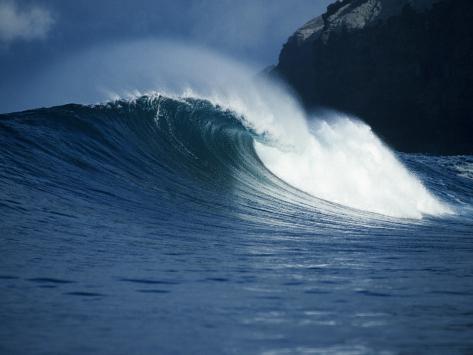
[(252, 225)]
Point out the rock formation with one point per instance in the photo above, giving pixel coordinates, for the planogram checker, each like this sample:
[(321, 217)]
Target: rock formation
[(403, 66)]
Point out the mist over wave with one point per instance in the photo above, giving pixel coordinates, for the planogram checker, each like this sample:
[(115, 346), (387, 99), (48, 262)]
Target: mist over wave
[(337, 158)]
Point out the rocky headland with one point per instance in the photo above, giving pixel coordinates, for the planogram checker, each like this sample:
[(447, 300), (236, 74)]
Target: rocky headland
[(403, 66)]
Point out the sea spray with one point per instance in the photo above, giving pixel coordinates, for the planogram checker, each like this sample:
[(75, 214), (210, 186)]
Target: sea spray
[(337, 159)]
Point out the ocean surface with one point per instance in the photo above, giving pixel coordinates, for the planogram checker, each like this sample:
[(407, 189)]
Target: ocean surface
[(176, 225)]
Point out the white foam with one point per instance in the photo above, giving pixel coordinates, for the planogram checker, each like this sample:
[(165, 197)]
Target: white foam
[(344, 162)]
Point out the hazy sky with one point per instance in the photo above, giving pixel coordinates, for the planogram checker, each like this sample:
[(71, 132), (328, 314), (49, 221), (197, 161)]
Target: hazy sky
[(36, 33)]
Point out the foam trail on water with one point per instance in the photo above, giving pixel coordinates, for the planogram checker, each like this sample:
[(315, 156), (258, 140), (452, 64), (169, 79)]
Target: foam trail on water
[(340, 160)]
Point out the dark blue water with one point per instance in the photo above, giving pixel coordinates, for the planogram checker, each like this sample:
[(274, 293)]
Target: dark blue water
[(126, 229)]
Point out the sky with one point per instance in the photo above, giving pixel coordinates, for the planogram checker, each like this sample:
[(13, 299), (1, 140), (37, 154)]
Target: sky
[(37, 34)]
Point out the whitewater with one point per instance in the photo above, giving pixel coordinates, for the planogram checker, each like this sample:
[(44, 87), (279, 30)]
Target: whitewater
[(165, 199)]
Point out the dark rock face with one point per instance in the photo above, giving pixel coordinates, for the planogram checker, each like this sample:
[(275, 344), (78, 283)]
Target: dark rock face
[(405, 67)]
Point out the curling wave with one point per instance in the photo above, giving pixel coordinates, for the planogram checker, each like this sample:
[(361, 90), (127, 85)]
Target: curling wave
[(334, 157), (186, 146)]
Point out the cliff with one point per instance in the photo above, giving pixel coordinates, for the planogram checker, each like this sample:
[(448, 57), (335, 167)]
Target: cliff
[(403, 66)]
